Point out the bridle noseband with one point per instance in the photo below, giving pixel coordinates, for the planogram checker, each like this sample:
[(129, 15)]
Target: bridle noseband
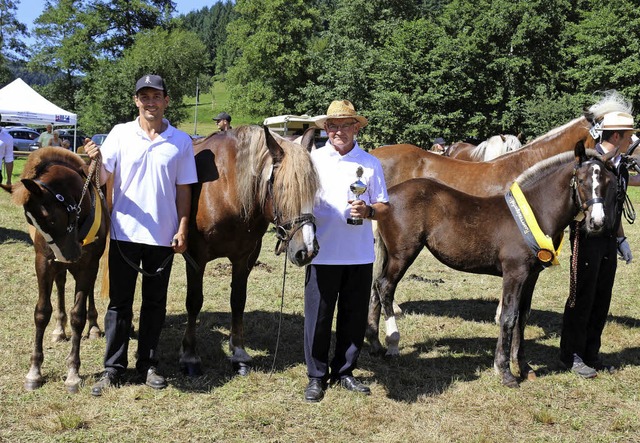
[(285, 230)]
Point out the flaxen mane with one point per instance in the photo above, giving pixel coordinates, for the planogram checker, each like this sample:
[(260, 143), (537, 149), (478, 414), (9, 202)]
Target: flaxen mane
[(37, 163), (295, 180)]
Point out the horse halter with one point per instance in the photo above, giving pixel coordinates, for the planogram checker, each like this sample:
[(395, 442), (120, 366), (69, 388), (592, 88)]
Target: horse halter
[(583, 206), (287, 229), (72, 208)]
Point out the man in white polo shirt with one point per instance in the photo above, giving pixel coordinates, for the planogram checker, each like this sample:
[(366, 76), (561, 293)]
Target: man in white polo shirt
[(153, 167), (341, 273)]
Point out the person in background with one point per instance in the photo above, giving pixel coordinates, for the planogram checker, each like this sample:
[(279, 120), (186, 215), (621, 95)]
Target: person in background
[(439, 146), (587, 307), (223, 120), (55, 140), (341, 274), (66, 144), (153, 167), (44, 138), (6, 154)]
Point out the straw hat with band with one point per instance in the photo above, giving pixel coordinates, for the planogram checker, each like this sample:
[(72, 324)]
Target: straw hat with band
[(616, 121), (341, 109)]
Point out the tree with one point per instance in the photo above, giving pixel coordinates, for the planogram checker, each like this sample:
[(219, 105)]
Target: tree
[(11, 31), (178, 56), (270, 38)]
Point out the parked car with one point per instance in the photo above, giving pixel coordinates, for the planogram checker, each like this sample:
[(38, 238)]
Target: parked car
[(24, 138), (98, 139)]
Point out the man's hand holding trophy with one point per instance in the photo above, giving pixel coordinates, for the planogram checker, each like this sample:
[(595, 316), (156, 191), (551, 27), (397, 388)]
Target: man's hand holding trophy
[(356, 189)]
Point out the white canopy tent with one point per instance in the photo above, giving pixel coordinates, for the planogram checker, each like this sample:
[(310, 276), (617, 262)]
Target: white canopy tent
[(21, 104)]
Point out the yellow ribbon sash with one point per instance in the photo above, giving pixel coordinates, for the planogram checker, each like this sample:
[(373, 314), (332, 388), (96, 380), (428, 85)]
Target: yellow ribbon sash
[(540, 243)]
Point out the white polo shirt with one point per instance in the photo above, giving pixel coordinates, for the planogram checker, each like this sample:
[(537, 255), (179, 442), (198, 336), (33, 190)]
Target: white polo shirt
[(341, 243), (6, 146), (147, 172)]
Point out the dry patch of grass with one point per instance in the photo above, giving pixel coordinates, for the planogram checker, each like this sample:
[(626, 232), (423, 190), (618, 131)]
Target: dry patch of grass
[(441, 388)]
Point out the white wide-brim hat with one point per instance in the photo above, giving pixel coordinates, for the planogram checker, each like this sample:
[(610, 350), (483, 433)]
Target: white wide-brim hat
[(339, 109), (616, 121)]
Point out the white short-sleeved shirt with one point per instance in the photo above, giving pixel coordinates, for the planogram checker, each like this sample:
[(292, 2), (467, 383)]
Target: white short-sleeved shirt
[(146, 174), (6, 146), (341, 243)]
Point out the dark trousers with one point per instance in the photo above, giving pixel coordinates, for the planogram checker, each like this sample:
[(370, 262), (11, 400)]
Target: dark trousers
[(117, 320), (348, 287), (582, 324)]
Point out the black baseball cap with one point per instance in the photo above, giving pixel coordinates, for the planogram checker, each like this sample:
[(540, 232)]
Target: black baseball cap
[(151, 81), (222, 116)]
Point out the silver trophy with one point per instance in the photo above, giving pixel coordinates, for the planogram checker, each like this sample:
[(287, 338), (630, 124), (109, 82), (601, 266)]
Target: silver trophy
[(357, 188)]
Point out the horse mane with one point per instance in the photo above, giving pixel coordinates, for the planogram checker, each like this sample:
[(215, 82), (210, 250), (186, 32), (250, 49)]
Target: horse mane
[(36, 165), (541, 169), (295, 179), (495, 146)]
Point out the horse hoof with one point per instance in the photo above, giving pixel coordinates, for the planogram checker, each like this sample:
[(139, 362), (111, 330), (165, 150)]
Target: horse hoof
[(32, 385), (191, 369), (510, 382), (242, 369), (95, 333), (73, 389), (530, 375), (58, 337)]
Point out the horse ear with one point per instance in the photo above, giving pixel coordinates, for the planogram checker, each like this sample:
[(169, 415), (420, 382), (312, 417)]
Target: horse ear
[(276, 151), (308, 139), (32, 187), (504, 139)]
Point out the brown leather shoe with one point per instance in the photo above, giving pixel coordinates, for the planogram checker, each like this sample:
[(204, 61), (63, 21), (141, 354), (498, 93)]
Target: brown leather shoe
[(155, 380)]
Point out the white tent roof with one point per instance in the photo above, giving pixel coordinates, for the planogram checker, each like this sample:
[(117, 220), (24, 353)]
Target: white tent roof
[(21, 104)]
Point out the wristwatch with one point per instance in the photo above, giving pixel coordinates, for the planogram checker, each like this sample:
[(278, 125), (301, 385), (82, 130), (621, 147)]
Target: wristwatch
[(372, 212)]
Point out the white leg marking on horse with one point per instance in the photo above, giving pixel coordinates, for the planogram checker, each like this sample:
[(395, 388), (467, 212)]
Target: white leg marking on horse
[(393, 336), (240, 356)]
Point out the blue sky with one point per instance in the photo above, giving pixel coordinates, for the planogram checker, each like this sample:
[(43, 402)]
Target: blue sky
[(29, 10)]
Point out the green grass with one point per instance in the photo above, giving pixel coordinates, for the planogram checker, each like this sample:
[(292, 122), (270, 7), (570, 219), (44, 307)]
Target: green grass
[(442, 388)]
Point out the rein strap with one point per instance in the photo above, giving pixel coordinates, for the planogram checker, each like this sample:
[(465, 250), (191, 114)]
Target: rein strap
[(540, 243)]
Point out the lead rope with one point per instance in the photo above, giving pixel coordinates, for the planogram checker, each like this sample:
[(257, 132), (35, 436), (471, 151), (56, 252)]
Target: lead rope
[(284, 280), (574, 269)]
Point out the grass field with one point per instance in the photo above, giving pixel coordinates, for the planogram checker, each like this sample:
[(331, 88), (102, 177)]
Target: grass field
[(442, 388)]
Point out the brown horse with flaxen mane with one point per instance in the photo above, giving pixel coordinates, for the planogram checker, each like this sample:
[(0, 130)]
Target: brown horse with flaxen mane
[(403, 162), (248, 177), (480, 235), (71, 227)]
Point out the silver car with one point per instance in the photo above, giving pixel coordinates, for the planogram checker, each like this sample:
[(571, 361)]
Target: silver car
[(24, 139)]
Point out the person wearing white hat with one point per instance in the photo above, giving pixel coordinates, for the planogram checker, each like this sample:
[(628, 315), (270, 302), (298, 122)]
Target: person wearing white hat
[(587, 307), (341, 273)]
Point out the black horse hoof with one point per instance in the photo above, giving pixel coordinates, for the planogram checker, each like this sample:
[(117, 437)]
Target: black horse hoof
[(241, 368), (32, 385), (191, 369)]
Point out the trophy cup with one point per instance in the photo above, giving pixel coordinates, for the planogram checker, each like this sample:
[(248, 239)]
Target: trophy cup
[(357, 188)]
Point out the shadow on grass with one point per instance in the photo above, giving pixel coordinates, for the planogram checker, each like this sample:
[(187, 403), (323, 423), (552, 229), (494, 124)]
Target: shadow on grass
[(406, 378), (14, 236)]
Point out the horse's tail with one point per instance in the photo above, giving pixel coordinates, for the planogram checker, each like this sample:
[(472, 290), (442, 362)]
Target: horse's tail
[(380, 263), (104, 264)]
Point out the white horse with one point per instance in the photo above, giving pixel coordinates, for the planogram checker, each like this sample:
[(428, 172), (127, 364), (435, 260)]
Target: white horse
[(495, 147)]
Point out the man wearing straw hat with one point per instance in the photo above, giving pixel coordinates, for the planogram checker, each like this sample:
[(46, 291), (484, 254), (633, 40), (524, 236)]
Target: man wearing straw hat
[(341, 273), (594, 264)]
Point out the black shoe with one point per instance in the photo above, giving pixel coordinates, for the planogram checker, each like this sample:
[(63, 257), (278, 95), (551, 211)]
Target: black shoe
[(155, 380), (350, 383), (108, 379), (314, 391)]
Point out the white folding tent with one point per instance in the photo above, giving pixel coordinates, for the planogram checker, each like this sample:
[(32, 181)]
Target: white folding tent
[(21, 104)]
